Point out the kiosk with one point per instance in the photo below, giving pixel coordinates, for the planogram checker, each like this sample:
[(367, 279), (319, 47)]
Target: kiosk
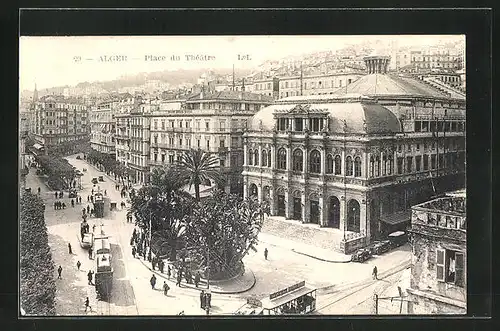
[(297, 299)]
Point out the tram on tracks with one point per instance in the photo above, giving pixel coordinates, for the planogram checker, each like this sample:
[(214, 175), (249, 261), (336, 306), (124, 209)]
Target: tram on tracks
[(104, 269)]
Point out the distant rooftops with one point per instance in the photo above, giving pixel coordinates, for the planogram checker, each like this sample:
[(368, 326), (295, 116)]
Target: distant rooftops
[(228, 95)]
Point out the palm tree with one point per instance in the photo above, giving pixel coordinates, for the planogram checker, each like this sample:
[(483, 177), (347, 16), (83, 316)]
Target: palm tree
[(199, 167), (167, 181)]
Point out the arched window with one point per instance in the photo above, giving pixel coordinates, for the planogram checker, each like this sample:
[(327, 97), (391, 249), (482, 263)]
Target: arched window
[(384, 165), (250, 157), (329, 164), (338, 165), (298, 160), (315, 162), (357, 167), (282, 158), (372, 166), (389, 165), (269, 159), (264, 158), (348, 166), (377, 166), (256, 157)]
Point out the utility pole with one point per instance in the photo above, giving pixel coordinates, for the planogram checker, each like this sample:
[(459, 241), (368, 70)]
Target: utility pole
[(375, 299)]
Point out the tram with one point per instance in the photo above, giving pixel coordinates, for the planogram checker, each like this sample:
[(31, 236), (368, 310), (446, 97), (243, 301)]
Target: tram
[(104, 270)]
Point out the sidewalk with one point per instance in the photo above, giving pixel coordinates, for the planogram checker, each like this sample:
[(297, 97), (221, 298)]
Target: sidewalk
[(303, 249), (237, 285)]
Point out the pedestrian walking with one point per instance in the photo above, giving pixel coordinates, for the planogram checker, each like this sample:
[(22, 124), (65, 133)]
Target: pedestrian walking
[(55, 205), (55, 195), (72, 203), (133, 251), (64, 205), (39, 190), (79, 199), (197, 279), (78, 264), (88, 198), (153, 282), (87, 304), (83, 211), (92, 191), (202, 299), (179, 278), (168, 272), (90, 253), (59, 271), (88, 209), (89, 277), (374, 273), (69, 248), (208, 300), (265, 253), (165, 288), (162, 266)]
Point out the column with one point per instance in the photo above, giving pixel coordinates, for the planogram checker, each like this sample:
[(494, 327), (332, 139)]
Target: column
[(245, 150), (321, 210), (363, 219), (306, 161), (305, 207), (366, 165), (260, 157), (343, 225), (260, 192), (245, 188), (288, 159), (323, 161), (273, 157), (342, 163), (272, 201), (288, 209)]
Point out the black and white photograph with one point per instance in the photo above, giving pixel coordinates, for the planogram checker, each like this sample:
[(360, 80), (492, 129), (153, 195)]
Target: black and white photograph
[(242, 175)]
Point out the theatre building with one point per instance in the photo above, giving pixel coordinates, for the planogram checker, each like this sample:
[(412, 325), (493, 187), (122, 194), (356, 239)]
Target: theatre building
[(346, 162), (438, 283)]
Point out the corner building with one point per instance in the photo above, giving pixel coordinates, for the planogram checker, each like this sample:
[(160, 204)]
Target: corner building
[(438, 283), (353, 162)]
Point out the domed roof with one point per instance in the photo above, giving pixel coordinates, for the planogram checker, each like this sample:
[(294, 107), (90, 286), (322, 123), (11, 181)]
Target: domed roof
[(361, 115)]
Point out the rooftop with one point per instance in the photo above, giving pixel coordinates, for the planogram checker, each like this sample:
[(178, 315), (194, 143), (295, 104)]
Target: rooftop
[(377, 85), (228, 95), (454, 204)]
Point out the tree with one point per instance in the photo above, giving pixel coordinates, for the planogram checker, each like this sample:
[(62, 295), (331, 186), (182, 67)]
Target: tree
[(163, 203), (37, 283), (199, 167), (221, 231)]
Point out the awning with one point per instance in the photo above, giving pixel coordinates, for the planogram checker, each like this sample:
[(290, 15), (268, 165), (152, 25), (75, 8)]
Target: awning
[(396, 218), (271, 304)]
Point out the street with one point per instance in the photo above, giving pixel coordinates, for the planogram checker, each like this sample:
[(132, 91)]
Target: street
[(132, 293)]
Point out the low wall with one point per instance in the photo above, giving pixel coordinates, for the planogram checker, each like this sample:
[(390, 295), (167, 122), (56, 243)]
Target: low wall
[(349, 246)]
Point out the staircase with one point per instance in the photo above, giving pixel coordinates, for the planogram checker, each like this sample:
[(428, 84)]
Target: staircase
[(308, 234)]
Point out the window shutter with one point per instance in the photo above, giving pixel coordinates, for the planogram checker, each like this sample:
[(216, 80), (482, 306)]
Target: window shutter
[(459, 269), (440, 253)]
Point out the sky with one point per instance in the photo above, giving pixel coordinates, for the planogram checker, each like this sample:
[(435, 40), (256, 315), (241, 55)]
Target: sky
[(59, 61)]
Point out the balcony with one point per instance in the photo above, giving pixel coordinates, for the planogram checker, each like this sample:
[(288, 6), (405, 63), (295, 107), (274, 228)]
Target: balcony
[(179, 130)]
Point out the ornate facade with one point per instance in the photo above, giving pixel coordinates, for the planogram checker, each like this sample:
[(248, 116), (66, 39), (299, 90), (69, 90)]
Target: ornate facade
[(345, 162)]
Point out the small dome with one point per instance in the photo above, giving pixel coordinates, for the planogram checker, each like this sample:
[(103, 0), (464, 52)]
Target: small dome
[(359, 115)]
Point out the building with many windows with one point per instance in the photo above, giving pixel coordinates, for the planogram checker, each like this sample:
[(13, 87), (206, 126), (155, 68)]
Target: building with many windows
[(55, 120), (426, 60), (102, 120), (133, 140), (438, 283), (357, 162), (209, 120)]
